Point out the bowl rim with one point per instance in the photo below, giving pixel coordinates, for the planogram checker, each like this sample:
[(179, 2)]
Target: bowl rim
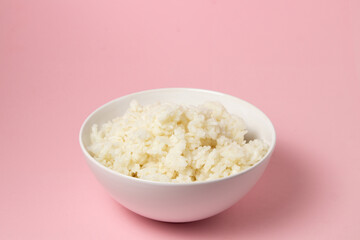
[(113, 172)]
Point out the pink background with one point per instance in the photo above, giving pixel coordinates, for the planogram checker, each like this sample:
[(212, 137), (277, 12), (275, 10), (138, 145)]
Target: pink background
[(299, 61)]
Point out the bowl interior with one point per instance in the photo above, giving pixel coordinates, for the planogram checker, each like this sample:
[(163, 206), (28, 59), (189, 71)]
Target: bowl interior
[(258, 125)]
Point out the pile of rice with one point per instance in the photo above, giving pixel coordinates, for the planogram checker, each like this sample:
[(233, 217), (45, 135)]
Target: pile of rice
[(168, 142)]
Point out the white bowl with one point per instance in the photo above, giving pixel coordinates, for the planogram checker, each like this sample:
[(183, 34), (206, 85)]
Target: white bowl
[(179, 202)]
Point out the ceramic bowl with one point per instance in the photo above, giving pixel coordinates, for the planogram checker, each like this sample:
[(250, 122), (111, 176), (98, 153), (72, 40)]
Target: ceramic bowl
[(179, 202)]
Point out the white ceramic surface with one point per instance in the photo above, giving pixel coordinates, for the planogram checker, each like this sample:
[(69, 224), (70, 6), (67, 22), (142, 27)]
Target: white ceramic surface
[(176, 202)]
